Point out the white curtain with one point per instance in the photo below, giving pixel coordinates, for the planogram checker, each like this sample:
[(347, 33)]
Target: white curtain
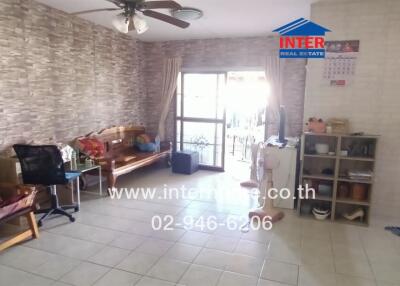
[(171, 71), (274, 76)]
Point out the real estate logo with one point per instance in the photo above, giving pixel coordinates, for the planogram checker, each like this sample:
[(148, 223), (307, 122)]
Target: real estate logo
[(302, 39)]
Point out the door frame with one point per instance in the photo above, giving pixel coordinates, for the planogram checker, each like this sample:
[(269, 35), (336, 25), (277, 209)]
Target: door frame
[(182, 119)]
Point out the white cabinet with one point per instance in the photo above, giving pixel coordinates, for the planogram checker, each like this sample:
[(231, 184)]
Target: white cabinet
[(284, 175)]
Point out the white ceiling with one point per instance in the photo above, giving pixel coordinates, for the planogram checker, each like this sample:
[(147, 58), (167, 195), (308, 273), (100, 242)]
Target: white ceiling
[(222, 18)]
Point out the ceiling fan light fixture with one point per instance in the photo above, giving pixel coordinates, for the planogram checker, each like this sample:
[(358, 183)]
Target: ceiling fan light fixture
[(121, 24), (140, 24), (187, 14)]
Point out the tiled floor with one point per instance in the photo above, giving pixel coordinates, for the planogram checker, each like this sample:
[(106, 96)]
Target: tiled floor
[(112, 243)]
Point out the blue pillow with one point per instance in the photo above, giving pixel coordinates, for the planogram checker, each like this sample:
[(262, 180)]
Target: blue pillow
[(146, 147)]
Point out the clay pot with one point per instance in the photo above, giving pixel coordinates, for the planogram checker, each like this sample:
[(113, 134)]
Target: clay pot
[(359, 192), (344, 191)]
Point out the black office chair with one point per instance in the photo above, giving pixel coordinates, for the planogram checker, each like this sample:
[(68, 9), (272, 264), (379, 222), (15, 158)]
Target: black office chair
[(43, 165)]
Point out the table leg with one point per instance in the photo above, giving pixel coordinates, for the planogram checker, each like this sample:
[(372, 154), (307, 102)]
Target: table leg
[(72, 191), (78, 195), (100, 182)]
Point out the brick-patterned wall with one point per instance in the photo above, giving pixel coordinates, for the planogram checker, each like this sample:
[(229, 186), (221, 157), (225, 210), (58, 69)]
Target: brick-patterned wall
[(372, 101), (61, 76), (223, 54)]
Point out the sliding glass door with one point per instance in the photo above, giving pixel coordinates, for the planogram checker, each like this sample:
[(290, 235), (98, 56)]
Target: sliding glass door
[(200, 117)]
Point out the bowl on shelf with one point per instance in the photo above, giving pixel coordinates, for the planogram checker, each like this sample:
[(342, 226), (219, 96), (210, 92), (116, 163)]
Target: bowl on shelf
[(321, 148), (320, 214), (306, 208), (325, 190)]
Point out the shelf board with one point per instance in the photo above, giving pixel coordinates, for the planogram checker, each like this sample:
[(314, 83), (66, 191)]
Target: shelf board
[(366, 159), (318, 198), (319, 177), (312, 217), (321, 134), (352, 202), (353, 222), (342, 179), (360, 136), (319, 156)]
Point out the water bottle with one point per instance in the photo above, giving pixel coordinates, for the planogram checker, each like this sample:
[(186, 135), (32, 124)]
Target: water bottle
[(74, 165), (158, 142)]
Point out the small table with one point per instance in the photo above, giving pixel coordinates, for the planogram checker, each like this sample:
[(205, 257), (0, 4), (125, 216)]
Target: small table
[(83, 168)]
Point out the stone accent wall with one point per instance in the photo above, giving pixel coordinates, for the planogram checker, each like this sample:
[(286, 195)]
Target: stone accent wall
[(61, 76), (223, 54)]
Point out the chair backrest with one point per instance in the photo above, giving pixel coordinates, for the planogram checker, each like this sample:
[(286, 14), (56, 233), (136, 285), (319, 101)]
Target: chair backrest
[(41, 164)]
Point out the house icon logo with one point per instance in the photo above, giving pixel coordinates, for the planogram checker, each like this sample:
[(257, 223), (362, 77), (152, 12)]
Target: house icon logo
[(302, 39)]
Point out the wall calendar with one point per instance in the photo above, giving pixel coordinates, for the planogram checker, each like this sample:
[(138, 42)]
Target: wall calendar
[(340, 61)]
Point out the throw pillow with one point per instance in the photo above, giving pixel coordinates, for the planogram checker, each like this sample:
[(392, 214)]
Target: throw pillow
[(92, 147)]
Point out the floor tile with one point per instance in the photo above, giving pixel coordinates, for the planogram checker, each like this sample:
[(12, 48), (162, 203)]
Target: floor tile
[(280, 272), (198, 275), (24, 258), (147, 281), (140, 228), (356, 267), (85, 274), (235, 279), (222, 243), (11, 276), (118, 278), (311, 277), (263, 282), (107, 231), (345, 280), (56, 267), (386, 272), (317, 258), (86, 232), (284, 251), (251, 248), (213, 258), (155, 246), (349, 252), (80, 249), (246, 265), (128, 241), (59, 283), (35, 280), (195, 238), (261, 236), (183, 252), (109, 256), (168, 269), (138, 262), (170, 235)]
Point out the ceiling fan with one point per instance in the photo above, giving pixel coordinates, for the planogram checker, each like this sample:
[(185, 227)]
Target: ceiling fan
[(129, 20)]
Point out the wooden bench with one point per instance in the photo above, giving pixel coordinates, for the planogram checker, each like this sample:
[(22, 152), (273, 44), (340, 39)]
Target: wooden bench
[(32, 231), (121, 157)]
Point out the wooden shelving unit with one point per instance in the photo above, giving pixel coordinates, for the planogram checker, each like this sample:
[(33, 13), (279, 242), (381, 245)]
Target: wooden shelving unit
[(313, 166)]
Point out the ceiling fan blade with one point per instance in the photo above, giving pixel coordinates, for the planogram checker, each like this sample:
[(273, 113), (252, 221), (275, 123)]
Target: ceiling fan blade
[(116, 2), (166, 18), (159, 5), (95, 10), (131, 25)]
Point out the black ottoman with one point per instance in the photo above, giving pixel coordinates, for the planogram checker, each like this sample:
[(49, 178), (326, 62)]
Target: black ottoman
[(185, 162)]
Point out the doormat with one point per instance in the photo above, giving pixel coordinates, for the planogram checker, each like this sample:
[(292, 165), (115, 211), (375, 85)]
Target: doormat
[(393, 229)]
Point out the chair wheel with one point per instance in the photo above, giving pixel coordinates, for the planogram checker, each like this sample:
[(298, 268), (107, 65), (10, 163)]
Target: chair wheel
[(71, 219), (76, 209)]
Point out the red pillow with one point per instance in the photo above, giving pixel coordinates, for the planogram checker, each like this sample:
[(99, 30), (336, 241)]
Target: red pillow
[(92, 147)]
